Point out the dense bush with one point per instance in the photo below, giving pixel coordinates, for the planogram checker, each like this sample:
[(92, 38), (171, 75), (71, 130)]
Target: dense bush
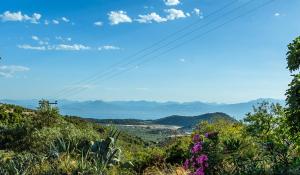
[(261, 145)]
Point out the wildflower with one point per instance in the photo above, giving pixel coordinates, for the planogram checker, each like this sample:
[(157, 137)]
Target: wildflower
[(197, 147), (211, 135), (186, 164), (201, 159), (196, 138), (199, 171)]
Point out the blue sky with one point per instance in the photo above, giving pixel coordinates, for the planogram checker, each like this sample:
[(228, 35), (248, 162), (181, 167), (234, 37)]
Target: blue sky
[(48, 46)]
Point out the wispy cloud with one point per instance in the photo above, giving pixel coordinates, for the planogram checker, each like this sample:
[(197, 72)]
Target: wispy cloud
[(55, 21), (149, 18), (39, 41), (63, 39), (109, 47), (19, 17), (74, 47), (277, 14), (197, 11), (29, 47), (35, 38), (172, 2), (8, 71), (60, 47), (98, 23), (46, 22), (65, 19), (182, 60), (117, 17)]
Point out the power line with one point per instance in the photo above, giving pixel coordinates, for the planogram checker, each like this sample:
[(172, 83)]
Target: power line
[(153, 51), (194, 38), (149, 47), (171, 42)]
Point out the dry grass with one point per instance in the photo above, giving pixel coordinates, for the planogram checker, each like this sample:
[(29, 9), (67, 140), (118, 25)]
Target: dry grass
[(165, 170)]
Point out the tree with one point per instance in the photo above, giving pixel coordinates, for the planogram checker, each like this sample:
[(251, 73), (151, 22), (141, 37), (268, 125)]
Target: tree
[(293, 93), (47, 113)]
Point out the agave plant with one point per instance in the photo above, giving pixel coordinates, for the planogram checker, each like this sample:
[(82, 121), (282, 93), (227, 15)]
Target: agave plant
[(105, 150), (60, 146), (18, 165)]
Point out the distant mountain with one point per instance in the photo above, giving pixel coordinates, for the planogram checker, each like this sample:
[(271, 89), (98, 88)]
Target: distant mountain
[(145, 109), (185, 122), (190, 121)]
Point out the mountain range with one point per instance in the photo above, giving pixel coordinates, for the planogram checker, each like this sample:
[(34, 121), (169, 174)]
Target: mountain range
[(145, 109)]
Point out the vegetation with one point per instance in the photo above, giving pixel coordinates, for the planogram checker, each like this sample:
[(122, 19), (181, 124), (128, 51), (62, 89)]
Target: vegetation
[(44, 142), (293, 93)]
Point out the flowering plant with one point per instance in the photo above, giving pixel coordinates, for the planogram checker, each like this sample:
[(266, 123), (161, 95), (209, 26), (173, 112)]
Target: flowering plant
[(197, 164)]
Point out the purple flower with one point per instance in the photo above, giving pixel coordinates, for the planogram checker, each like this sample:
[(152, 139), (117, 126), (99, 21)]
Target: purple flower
[(186, 164), (206, 135), (197, 147), (201, 159), (211, 135), (196, 138), (199, 171)]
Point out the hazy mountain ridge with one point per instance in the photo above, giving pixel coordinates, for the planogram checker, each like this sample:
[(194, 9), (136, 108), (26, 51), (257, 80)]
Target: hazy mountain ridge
[(145, 109), (190, 121), (185, 123)]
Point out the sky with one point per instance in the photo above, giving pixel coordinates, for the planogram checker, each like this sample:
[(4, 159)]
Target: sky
[(160, 50)]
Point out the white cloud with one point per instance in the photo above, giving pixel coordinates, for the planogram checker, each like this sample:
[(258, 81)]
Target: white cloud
[(43, 42), (109, 47), (65, 19), (172, 2), (149, 18), (18, 16), (277, 14), (39, 41), (46, 22), (98, 23), (63, 39), (65, 47), (174, 14), (35, 38), (29, 47), (182, 60), (35, 18), (197, 11), (117, 17), (9, 71), (74, 47), (55, 21)]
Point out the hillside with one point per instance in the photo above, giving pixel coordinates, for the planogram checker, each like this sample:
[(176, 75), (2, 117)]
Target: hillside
[(44, 142), (190, 121), (145, 109), (56, 144), (174, 120)]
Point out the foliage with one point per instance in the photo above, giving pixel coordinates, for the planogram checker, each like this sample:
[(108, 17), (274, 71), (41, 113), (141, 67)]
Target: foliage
[(177, 151), (198, 162), (293, 93), (293, 55), (62, 146), (268, 125), (261, 145)]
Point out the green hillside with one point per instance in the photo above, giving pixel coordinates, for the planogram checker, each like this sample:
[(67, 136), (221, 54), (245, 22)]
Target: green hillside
[(44, 142), (190, 121)]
